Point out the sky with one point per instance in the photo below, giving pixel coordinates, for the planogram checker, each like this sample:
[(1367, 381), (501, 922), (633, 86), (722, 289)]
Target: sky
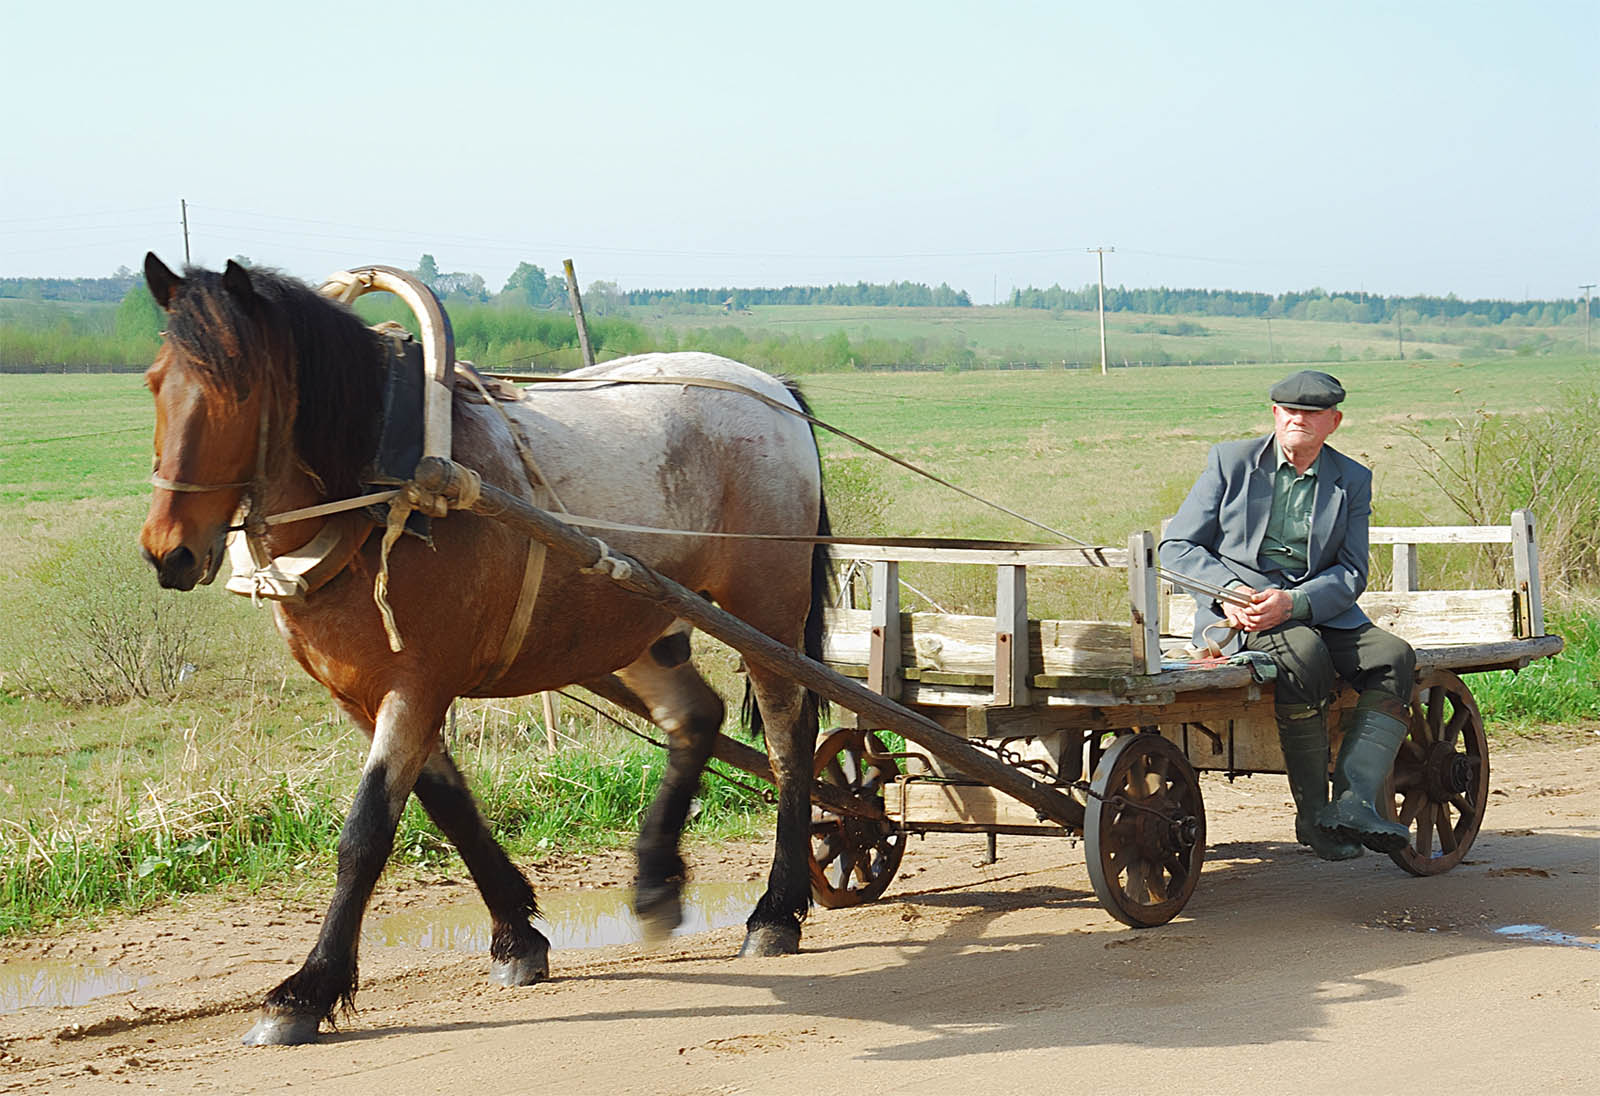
[(1410, 148)]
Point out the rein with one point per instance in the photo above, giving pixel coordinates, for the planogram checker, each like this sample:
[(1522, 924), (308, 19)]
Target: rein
[(403, 499), (729, 386)]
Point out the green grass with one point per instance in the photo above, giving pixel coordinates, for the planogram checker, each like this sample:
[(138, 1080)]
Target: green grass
[(1555, 690), (240, 775), (1042, 336), (73, 437)]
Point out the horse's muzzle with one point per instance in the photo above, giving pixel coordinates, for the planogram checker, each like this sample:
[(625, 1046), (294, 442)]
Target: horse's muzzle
[(180, 570)]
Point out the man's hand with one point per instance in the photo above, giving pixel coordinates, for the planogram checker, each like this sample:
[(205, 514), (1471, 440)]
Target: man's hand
[(1267, 609)]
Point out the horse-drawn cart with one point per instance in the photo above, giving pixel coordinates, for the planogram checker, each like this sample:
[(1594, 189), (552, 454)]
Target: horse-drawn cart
[(282, 419), (1015, 725)]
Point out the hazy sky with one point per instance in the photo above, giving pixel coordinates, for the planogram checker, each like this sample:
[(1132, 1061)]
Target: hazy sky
[(1393, 147)]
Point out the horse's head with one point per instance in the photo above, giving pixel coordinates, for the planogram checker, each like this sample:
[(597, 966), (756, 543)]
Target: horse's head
[(211, 395)]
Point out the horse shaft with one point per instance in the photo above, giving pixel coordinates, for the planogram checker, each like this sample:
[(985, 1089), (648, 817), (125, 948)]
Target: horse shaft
[(445, 478)]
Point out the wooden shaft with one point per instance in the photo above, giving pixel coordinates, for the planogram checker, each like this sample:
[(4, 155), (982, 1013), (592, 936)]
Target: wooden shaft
[(443, 477), (577, 312)]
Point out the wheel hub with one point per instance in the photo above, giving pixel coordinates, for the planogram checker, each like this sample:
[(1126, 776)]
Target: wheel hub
[(1446, 772)]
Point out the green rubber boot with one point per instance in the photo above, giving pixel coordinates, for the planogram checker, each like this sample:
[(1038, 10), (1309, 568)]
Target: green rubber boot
[(1305, 759), (1365, 759)]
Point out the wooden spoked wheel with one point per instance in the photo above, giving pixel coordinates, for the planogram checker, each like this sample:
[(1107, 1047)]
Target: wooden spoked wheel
[(1440, 783), (853, 858), (1144, 830)]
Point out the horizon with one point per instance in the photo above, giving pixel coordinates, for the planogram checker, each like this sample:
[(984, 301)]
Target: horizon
[(1433, 150)]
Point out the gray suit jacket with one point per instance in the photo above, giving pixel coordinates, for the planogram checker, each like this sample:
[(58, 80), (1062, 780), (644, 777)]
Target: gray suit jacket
[(1217, 534)]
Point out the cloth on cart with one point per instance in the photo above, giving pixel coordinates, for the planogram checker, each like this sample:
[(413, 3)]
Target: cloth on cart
[(1262, 668)]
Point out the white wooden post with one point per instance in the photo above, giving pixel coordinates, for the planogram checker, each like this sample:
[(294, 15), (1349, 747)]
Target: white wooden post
[(1525, 558), (1145, 602), (1404, 579), (883, 661), (1011, 646)]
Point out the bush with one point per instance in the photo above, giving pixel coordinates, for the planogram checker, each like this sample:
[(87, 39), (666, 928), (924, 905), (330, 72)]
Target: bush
[(94, 628), (1546, 462)]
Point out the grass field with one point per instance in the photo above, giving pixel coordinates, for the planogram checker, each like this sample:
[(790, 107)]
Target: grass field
[(239, 774), (1039, 335)]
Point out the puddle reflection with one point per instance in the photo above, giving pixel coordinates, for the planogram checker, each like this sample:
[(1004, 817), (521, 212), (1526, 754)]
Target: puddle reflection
[(577, 919), (30, 983), (1541, 935)]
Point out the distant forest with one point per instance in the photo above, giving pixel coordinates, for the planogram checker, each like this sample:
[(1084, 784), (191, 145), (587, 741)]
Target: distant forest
[(530, 285), (893, 295), (1312, 304)]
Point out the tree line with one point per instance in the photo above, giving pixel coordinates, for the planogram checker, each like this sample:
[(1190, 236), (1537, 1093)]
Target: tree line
[(891, 295), (1311, 304)]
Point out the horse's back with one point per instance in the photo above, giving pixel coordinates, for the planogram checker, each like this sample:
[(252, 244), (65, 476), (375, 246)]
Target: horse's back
[(677, 456)]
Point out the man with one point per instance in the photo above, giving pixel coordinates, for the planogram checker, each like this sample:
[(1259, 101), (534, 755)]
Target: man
[(1282, 520)]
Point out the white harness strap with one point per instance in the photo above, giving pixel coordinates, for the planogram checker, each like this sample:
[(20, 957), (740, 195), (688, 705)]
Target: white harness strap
[(544, 497)]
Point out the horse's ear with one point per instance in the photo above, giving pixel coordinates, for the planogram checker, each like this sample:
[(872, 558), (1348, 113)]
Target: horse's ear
[(163, 283), (236, 280)]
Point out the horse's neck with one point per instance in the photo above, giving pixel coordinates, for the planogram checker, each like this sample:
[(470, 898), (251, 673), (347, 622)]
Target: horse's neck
[(291, 488)]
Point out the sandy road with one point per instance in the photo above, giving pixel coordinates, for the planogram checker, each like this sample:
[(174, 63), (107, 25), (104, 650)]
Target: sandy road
[(1284, 974)]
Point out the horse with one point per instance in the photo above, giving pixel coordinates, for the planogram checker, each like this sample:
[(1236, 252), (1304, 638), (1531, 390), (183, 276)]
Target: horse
[(267, 397)]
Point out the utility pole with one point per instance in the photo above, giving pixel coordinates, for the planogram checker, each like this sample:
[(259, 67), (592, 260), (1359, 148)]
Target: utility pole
[(1586, 287), (577, 312), (183, 208), (1101, 251), (1399, 336)]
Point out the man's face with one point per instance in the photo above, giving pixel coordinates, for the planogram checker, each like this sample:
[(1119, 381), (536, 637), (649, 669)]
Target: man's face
[(1301, 431)]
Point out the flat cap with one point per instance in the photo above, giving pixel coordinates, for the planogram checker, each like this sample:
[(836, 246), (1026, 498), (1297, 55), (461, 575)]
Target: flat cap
[(1307, 390)]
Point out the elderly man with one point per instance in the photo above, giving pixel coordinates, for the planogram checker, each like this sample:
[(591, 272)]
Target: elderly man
[(1282, 521)]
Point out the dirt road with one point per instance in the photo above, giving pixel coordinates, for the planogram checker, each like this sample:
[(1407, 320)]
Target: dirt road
[(1284, 974)]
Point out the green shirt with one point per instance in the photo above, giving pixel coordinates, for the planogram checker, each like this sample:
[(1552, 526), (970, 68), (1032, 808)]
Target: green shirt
[(1286, 543)]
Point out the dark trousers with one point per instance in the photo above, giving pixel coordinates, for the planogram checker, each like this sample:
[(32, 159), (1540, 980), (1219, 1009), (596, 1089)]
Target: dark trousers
[(1311, 660)]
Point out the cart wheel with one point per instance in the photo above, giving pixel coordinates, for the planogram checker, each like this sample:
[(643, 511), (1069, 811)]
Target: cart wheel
[(1145, 830), (852, 858), (1440, 783)]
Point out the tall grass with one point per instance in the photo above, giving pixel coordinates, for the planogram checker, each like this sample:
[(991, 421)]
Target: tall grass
[(184, 834), (1545, 460), (1552, 690)]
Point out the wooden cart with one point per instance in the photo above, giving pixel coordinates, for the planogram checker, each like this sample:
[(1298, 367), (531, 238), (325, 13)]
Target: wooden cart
[(1093, 708)]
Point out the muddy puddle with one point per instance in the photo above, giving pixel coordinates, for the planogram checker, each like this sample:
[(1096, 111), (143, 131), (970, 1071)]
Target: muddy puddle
[(29, 983), (572, 920)]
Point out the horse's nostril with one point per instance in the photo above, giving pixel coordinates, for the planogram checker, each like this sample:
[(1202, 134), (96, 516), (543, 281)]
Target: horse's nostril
[(176, 571)]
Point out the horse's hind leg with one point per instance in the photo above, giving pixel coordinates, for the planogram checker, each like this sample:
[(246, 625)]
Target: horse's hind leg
[(519, 953), (789, 719), (402, 738), (678, 700)]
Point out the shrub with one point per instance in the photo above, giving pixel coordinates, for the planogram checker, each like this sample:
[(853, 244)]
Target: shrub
[(1546, 462)]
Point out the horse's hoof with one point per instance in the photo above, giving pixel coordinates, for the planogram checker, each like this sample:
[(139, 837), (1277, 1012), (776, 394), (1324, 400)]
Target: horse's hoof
[(283, 1029), (659, 919), (525, 970), (768, 940)]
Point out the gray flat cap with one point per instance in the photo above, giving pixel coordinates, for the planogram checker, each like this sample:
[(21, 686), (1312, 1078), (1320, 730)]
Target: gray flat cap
[(1307, 390)]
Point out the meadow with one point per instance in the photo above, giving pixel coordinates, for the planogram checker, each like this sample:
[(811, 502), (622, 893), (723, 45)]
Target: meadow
[(164, 742)]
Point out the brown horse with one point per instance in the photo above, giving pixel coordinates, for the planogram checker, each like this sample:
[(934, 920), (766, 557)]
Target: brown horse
[(268, 398)]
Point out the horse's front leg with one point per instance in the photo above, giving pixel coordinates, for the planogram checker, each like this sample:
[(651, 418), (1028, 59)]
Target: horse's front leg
[(403, 736), (519, 953)]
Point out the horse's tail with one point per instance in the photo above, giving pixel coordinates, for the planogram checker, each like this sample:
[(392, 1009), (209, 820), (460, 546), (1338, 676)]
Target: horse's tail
[(822, 583)]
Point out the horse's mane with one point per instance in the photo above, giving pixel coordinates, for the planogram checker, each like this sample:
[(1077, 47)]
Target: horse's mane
[(297, 344)]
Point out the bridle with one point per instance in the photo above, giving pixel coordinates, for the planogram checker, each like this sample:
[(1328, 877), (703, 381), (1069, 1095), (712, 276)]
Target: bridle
[(253, 523)]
